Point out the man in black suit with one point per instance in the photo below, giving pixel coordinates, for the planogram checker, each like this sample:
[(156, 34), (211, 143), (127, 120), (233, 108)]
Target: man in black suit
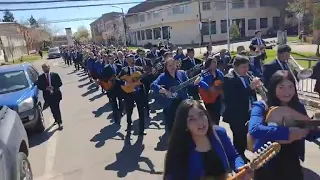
[(121, 59), (257, 40), (137, 96), (281, 63), (153, 54), (239, 94), (187, 65), (50, 83), (111, 70)]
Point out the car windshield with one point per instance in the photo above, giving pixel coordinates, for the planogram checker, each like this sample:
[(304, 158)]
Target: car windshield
[(13, 81), (53, 50)]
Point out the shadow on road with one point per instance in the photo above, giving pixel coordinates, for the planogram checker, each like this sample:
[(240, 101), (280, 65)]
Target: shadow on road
[(83, 85), (309, 174), (105, 108), (90, 91), (106, 133), (83, 79), (162, 145), (96, 97), (37, 139), (129, 157)]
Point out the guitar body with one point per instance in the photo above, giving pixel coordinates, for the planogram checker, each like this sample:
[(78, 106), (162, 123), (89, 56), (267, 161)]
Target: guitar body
[(132, 81), (209, 96)]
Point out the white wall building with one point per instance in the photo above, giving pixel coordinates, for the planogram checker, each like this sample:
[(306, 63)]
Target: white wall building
[(179, 21)]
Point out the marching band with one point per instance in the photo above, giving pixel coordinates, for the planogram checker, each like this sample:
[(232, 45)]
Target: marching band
[(228, 86)]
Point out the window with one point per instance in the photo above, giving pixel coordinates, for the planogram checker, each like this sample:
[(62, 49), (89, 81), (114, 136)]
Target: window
[(220, 5), (252, 3), (142, 17), (206, 6), (252, 24), (236, 4), (142, 35), (13, 81), (149, 15), (205, 28), (166, 32), (275, 22), (223, 26), (179, 9), (156, 33), (263, 23), (156, 14), (264, 2), (32, 75), (148, 34), (139, 35)]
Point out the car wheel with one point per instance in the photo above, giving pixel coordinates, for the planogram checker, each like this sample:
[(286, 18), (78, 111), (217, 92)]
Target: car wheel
[(24, 171), (39, 127)]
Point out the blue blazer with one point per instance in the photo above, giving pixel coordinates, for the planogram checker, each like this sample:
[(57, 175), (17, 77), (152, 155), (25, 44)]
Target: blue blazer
[(207, 80), (179, 57), (262, 133), (230, 158), (166, 81)]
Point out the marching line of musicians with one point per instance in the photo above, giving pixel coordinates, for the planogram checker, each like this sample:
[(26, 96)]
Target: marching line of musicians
[(178, 81)]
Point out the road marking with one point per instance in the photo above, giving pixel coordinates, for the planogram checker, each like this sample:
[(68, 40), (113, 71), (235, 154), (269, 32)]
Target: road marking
[(51, 148)]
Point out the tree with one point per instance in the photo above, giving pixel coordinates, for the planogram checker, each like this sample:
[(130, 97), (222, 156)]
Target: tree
[(47, 27), (33, 22), (281, 5), (234, 31), (8, 16), (82, 34)]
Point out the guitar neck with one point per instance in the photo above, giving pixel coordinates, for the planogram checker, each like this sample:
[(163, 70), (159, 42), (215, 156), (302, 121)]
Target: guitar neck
[(186, 83)]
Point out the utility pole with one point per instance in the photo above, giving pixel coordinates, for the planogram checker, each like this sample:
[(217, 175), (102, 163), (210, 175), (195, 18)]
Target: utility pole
[(124, 24), (228, 24)]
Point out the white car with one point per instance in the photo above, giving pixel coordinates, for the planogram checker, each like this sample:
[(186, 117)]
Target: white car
[(14, 147)]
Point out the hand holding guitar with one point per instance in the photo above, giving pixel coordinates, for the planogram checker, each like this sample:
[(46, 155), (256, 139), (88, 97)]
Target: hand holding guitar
[(248, 172), (297, 133), (166, 92)]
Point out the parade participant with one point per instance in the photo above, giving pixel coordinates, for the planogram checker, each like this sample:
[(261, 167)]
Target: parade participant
[(286, 165), (108, 74), (260, 44), (208, 53), (256, 61), (223, 61), (147, 68), (171, 77), (281, 63), (198, 149), (121, 59), (239, 94), (98, 66), (90, 66), (78, 60), (179, 54), (187, 64), (135, 97), (212, 85), (153, 54), (49, 83)]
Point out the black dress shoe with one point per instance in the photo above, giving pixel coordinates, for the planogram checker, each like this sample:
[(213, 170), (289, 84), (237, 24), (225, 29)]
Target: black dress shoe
[(60, 127)]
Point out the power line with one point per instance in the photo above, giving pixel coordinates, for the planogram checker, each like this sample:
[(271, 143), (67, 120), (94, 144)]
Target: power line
[(67, 7), (45, 2)]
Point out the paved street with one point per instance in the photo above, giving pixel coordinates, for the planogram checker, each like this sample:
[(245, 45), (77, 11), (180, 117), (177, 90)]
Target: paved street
[(91, 147)]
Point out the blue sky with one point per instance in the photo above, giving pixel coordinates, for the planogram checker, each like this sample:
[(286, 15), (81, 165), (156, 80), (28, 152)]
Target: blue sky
[(63, 14)]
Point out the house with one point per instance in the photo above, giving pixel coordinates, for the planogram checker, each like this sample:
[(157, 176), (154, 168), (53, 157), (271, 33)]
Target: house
[(186, 22), (12, 41), (100, 26)]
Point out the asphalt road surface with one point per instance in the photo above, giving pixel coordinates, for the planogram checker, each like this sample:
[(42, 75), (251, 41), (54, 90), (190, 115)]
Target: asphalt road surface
[(90, 147)]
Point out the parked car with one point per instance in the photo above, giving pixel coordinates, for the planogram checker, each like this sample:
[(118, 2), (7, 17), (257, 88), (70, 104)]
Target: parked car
[(18, 91), (14, 147), (54, 53)]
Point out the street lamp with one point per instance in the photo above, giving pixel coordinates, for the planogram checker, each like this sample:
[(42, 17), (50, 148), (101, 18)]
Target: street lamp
[(124, 23)]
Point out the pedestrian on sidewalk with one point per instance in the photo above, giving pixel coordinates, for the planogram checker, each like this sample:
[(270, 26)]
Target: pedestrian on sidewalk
[(49, 83), (41, 53)]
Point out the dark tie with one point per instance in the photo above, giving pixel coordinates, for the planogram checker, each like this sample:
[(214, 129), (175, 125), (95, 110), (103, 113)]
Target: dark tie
[(48, 79), (285, 66), (247, 81)]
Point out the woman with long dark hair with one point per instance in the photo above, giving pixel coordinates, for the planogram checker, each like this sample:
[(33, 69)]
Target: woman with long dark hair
[(169, 78), (197, 150), (211, 89), (286, 165)]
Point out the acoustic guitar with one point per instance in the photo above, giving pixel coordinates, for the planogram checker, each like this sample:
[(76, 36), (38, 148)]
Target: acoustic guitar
[(263, 155), (210, 96), (107, 85), (132, 81)]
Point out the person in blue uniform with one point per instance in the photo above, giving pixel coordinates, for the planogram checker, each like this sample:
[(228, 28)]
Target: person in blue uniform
[(111, 69), (90, 66), (198, 149), (171, 77), (206, 82), (179, 54), (286, 165)]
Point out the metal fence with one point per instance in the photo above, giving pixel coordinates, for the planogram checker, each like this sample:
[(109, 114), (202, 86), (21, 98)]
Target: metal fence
[(307, 85)]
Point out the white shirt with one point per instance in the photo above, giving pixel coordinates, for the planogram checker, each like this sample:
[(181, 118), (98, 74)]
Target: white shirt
[(259, 41), (280, 64)]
